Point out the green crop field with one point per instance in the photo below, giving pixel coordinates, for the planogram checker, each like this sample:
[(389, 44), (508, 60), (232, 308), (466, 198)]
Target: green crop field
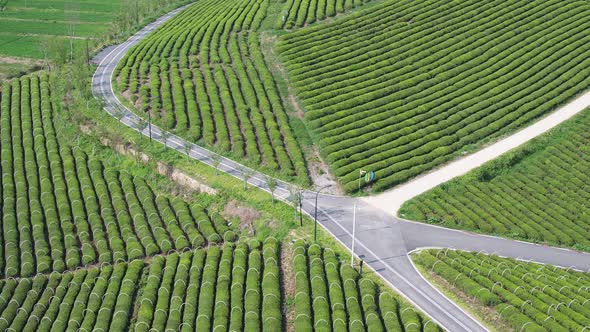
[(25, 23), (530, 297), (85, 299), (404, 86), (233, 287), (331, 296), (538, 192), (87, 246), (104, 230), (62, 209), (203, 75), (99, 7), (298, 13)]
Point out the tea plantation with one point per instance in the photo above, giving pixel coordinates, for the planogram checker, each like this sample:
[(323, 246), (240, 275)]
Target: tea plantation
[(405, 86), (332, 296), (538, 192), (203, 75), (530, 297), (90, 247), (303, 91)]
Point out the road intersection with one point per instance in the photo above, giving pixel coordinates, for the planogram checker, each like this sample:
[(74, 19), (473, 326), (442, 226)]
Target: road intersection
[(384, 240)]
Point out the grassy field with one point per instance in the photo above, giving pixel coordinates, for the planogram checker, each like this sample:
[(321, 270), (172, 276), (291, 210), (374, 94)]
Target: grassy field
[(212, 85), (527, 296), (24, 23), (405, 86), (539, 192), (16, 68)]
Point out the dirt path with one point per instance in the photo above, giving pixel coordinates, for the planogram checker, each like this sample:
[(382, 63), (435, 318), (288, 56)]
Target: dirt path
[(391, 200), (288, 286)]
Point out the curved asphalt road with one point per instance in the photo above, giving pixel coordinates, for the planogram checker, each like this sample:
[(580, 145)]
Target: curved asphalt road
[(384, 240)]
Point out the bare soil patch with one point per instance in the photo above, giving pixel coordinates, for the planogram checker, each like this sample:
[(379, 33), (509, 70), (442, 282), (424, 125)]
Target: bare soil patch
[(319, 171), (246, 215)]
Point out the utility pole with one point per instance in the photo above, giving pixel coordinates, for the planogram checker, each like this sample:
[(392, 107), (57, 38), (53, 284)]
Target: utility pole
[(315, 215), (300, 198), (353, 235)]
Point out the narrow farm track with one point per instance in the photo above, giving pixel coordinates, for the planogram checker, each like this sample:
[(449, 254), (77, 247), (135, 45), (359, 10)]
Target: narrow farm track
[(384, 240), (393, 199)]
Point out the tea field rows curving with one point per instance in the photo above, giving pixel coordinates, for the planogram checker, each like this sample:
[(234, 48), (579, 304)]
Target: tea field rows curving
[(203, 75), (530, 297), (404, 86), (298, 13), (538, 192)]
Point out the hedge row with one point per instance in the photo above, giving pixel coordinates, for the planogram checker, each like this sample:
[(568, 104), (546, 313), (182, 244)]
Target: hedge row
[(402, 89), (332, 296), (528, 296), (84, 299), (298, 13), (511, 196), (203, 75), (220, 288), (271, 287), (62, 209)]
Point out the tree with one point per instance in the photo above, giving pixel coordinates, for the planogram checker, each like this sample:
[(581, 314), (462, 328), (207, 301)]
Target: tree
[(72, 20), (272, 184), (294, 198), (141, 125), (187, 149), (54, 52), (119, 114), (165, 136), (216, 161), (247, 174)]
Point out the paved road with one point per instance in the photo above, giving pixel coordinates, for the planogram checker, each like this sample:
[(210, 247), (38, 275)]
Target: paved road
[(382, 239)]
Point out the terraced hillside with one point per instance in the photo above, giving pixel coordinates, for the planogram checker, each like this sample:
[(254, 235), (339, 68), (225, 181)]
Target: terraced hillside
[(331, 296), (62, 209), (538, 192), (528, 296), (203, 75), (405, 86)]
